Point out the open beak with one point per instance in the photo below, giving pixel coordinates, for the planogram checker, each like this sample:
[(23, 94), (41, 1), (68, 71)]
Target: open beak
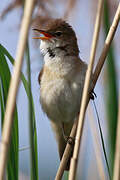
[(47, 36)]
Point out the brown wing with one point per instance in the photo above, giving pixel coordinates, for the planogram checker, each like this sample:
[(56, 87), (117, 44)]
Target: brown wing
[(39, 76)]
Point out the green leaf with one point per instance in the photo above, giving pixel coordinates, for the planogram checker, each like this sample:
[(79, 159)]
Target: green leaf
[(30, 98), (32, 128), (1, 103), (5, 76), (111, 91)]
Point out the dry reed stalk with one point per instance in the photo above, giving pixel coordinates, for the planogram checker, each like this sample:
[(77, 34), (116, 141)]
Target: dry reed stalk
[(74, 159), (96, 144), (96, 74), (116, 173), (14, 84)]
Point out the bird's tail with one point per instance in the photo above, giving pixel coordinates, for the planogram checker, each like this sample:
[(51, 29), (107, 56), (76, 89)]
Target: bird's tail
[(60, 138)]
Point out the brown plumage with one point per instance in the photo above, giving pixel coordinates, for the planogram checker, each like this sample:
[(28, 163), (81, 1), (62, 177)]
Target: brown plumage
[(61, 78)]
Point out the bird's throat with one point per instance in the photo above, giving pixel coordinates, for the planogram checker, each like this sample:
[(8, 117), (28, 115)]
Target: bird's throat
[(51, 53)]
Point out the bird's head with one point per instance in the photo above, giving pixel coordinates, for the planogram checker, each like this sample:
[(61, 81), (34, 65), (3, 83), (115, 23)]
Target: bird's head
[(58, 34)]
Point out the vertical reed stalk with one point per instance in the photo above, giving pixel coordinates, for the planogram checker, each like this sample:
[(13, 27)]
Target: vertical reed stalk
[(14, 84), (74, 159)]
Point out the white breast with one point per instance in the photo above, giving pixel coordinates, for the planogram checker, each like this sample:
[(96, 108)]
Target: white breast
[(59, 100), (60, 96), (61, 88)]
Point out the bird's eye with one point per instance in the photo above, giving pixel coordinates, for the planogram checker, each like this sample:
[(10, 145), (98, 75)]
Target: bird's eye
[(58, 33)]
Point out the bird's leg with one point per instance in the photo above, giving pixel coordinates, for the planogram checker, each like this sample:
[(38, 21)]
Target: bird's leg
[(67, 139), (63, 132)]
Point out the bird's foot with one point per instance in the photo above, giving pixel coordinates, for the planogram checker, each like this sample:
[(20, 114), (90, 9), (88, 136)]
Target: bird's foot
[(70, 140), (92, 95)]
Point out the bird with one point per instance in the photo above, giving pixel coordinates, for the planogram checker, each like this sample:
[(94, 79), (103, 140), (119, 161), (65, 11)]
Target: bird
[(61, 78)]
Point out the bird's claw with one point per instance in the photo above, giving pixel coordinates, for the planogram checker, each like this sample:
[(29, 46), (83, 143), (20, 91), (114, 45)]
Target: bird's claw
[(93, 95), (70, 140)]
